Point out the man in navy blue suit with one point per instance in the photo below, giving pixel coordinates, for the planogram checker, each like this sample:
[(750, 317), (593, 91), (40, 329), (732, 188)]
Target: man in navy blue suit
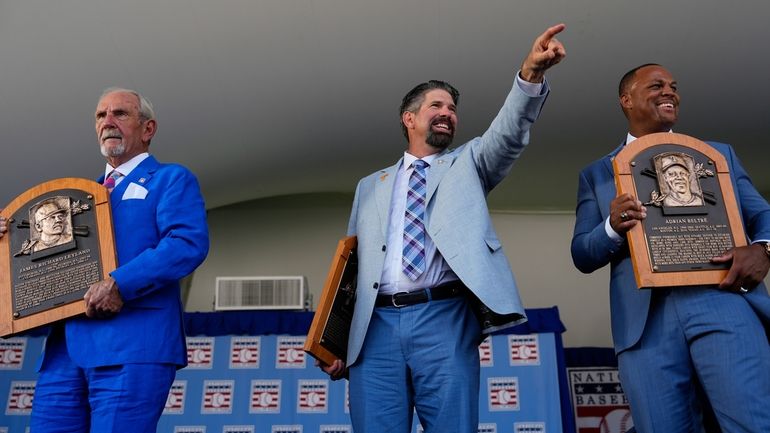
[(111, 370), (672, 341)]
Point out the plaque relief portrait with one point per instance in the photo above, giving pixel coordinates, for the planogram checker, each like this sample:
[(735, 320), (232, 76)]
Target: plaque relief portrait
[(678, 184), (678, 179), (50, 227)]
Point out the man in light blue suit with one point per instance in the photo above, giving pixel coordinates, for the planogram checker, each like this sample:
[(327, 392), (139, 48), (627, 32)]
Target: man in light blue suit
[(670, 342), (111, 371), (427, 251)]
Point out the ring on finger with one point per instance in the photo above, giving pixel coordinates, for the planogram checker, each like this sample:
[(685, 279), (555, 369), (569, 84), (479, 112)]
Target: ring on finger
[(624, 216), (743, 290)]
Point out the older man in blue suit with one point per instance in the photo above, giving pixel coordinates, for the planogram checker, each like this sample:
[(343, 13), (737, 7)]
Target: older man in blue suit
[(111, 371), (670, 342), (427, 251)]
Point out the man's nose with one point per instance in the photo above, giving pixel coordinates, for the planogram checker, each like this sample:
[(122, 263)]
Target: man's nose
[(108, 120), (449, 115)]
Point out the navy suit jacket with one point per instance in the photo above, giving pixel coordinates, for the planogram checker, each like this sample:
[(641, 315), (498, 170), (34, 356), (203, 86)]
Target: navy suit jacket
[(161, 235), (593, 249)]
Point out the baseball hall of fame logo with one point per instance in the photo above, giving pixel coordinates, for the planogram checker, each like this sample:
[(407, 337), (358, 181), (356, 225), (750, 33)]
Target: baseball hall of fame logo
[(487, 428), (244, 352), (503, 393), (217, 397), (286, 429), (20, 396), (289, 352), (238, 429), (190, 429), (485, 352), (12, 353), (524, 349), (313, 396), (200, 352), (599, 402), (265, 396), (176, 397), (529, 427), (336, 429)]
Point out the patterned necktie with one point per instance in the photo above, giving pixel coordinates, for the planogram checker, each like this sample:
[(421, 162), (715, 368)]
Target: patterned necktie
[(413, 260), (109, 181)]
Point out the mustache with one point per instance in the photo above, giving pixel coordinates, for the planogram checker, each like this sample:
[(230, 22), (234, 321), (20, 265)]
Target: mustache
[(444, 119), (110, 133)]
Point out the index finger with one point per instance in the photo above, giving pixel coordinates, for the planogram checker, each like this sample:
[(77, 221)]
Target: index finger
[(550, 33)]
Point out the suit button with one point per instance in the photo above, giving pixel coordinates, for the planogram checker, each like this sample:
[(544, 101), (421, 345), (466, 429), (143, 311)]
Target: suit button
[(376, 285), (383, 248)]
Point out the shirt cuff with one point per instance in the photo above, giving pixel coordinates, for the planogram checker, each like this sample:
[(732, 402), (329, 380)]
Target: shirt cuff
[(530, 89), (612, 233)]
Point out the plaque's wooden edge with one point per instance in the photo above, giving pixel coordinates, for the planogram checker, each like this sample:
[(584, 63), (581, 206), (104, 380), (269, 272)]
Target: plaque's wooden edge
[(624, 182), (313, 340), (629, 151), (101, 197)]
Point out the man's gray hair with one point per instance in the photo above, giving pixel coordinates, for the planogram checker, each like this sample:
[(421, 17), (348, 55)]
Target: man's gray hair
[(146, 112)]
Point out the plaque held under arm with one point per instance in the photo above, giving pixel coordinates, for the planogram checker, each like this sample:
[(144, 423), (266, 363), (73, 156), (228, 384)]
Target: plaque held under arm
[(59, 242), (692, 213), (327, 339)]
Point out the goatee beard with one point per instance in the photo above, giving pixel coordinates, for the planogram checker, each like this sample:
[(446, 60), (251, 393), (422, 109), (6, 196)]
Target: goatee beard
[(112, 152), (439, 141)]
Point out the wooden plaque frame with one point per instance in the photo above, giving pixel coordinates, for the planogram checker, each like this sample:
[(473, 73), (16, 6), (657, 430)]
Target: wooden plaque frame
[(335, 310), (647, 275), (98, 199)]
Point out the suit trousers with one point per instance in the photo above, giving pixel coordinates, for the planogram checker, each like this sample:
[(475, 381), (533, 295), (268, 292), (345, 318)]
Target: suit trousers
[(110, 399), (698, 334), (424, 357)]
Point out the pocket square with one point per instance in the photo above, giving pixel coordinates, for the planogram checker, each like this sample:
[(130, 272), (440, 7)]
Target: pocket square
[(135, 192)]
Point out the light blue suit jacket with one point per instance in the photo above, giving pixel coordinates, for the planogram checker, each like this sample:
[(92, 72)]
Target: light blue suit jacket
[(159, 239), (457, 218), (593, 249)]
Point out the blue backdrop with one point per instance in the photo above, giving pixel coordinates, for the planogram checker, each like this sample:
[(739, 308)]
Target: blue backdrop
[(248, 373)]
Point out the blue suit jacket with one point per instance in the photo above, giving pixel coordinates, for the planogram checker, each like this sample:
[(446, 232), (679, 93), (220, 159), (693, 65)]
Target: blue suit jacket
[(159, 239), (457, 218), (593, 249)]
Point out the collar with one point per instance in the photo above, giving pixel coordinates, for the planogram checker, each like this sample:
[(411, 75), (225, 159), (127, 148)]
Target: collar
[(630, 138), (409, 159), (128, 166)]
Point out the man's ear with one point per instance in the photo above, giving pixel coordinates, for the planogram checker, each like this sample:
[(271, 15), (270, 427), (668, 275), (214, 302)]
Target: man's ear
[(150, 128), (625, 101), (407, 117)]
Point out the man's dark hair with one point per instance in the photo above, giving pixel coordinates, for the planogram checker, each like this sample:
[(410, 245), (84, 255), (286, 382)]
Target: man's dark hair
[(416, 96), (626, 80)]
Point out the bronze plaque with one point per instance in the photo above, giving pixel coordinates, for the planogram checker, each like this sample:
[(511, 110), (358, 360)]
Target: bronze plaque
[(692, 213), (59, 242), (327, 339)]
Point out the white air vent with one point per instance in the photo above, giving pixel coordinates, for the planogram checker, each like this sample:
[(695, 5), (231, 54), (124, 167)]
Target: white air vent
[(260, 293)]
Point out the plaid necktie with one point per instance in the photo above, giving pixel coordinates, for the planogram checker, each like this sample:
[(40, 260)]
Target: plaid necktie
[(413, 260), (109, 181)]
